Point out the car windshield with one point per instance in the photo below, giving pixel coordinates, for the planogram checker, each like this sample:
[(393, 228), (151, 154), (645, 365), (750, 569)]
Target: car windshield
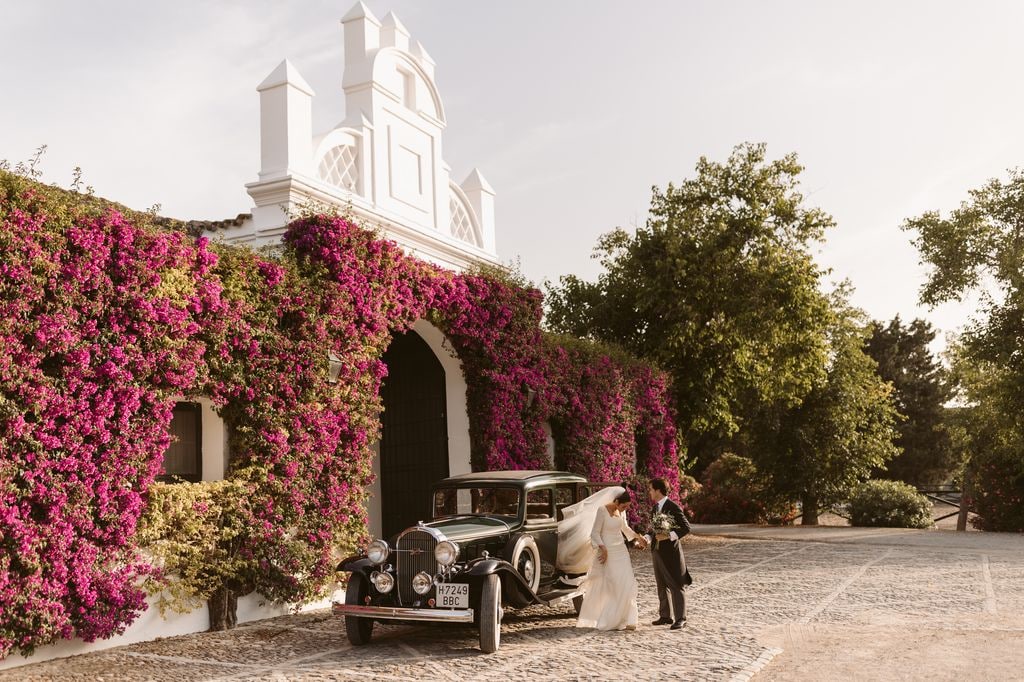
[(490, 501)]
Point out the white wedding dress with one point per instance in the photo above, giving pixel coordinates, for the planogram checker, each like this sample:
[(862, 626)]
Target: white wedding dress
[(609, 602)]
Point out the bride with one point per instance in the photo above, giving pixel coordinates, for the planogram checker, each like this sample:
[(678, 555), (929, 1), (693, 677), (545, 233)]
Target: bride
[(590, 539)]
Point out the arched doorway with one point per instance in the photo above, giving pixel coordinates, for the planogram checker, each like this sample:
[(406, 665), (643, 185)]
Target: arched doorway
[(414, 432)]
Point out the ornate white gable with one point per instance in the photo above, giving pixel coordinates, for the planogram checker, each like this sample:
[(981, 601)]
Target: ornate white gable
[(384, 160)]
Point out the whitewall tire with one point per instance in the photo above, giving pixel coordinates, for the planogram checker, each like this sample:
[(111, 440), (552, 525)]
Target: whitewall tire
[(490, 615)]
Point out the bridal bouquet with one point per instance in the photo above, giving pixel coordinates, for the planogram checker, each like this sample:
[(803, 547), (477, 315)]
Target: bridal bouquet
[(662, 522)]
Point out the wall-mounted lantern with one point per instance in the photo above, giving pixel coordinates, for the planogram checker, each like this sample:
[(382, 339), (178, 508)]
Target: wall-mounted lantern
[(334, 367)]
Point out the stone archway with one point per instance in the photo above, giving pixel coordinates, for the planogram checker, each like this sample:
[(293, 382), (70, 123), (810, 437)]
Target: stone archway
[(456, 422)]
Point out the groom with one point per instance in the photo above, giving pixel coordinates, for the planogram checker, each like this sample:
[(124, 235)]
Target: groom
[(670, 572)]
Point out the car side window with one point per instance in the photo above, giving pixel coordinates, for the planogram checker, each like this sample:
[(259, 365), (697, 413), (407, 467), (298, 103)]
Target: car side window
[(563, 498), (538, 505), (497, 501)]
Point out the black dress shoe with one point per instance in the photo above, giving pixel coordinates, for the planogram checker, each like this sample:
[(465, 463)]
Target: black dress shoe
[(678, 625), (662, 621)]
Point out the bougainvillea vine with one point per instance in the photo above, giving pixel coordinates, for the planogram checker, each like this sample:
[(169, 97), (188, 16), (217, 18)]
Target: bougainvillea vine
[(106, 319)]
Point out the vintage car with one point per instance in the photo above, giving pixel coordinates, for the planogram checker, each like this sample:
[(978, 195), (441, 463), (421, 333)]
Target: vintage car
[(491, 543)]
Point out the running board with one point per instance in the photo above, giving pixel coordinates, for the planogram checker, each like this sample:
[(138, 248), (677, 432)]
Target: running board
[(560, 597)]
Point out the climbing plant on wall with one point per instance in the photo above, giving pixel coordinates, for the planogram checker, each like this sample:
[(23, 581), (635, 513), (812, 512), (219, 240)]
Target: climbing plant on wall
[(100, 322), (107, 317)]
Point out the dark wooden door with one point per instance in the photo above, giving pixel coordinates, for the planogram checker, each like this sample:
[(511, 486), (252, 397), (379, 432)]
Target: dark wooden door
[(414, 432)]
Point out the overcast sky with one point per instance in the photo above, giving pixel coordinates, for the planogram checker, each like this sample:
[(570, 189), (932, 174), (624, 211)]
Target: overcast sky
[(572, 110)]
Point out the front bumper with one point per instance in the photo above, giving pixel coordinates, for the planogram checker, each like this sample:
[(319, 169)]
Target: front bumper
[(404, 613)]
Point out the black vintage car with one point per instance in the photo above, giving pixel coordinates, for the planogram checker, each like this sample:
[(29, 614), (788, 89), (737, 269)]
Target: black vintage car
[(490, 543)]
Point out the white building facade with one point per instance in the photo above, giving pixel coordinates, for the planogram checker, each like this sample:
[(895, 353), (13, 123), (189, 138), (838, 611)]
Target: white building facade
[(384, 160), (383, 164)]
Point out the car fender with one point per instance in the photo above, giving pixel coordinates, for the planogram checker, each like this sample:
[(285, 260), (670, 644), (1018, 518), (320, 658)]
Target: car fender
[(356, 564), (519, 543), (513, 585), (482, 567)]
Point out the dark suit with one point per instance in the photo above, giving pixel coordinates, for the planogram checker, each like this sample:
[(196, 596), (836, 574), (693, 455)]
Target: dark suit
[(670, 572)]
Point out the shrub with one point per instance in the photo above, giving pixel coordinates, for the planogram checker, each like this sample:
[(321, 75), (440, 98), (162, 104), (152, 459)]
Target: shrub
[(892, 504), (194, 533), (688, 488), (734, 491), (997, 493), (609, 413)]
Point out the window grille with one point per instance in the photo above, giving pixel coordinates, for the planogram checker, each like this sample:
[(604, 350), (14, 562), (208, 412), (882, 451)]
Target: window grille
[(461, 224), (340, 167)]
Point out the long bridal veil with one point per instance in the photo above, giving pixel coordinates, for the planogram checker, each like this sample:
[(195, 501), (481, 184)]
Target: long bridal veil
[(575, 553)]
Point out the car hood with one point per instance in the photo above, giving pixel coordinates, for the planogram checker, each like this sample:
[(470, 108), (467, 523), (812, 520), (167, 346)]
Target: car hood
[(461, 528)]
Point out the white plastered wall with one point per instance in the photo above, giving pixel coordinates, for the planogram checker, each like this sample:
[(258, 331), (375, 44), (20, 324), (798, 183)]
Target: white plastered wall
[(215, 443), (151, 625)]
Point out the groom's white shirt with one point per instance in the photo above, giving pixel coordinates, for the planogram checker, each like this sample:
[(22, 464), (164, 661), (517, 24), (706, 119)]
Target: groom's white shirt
[(661, 505)]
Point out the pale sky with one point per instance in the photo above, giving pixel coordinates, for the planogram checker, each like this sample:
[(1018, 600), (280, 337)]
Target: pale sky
[(571, 109)]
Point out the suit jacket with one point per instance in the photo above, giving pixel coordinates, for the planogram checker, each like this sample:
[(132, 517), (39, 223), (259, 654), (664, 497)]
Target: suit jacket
[(670, 552), (681, 526)]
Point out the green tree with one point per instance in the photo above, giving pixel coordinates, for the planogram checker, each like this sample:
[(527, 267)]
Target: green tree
[(989, 441), (719, 288), (979, 249), (920, 392), (820, 450)]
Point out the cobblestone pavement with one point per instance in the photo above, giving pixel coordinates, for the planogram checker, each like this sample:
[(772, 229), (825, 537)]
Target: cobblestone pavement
[(742, 589)]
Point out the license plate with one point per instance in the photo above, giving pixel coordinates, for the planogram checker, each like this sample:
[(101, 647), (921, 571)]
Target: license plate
[(453, 596)]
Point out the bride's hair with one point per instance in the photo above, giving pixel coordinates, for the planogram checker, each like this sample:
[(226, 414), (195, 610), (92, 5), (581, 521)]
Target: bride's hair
[(624, 497)]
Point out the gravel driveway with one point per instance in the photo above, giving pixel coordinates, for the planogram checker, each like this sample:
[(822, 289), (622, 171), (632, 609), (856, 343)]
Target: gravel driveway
[(772, 608)]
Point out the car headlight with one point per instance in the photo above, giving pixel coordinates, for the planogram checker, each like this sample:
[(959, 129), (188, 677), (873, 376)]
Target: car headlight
[(377, 552), (446, 553), (384, 582), (422, 582)]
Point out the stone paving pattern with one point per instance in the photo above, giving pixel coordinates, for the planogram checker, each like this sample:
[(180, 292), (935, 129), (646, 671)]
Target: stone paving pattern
[(742, 587)]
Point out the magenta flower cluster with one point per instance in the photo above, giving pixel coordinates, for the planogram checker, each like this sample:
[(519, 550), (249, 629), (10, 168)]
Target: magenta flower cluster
[(94, 341), (610, 412), (611, 418), (104, 322)]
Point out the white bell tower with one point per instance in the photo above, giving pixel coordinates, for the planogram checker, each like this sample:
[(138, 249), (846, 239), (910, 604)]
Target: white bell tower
[(384, 160)]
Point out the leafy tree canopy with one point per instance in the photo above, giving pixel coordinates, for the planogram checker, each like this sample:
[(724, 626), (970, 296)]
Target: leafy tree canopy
[(979, 248), (820, 450), (719, 288)]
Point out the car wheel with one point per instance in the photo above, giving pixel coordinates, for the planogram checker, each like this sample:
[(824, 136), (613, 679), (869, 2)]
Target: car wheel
[(526, 559), (358, 629), (490, 615), (577, 604)]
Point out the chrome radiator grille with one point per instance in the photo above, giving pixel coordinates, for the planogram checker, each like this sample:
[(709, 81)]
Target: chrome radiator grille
[(415, 554)]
